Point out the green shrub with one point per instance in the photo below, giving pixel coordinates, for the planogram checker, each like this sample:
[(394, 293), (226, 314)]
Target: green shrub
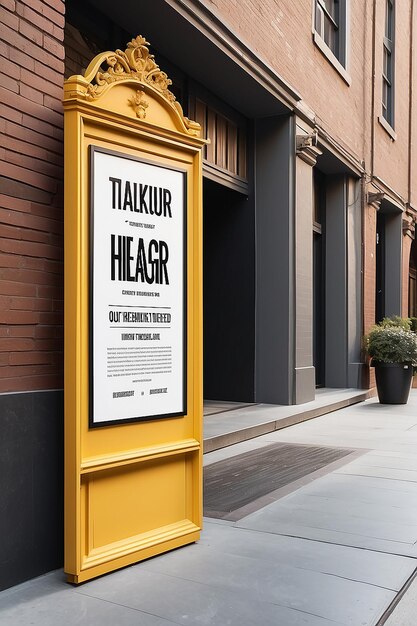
[(391, 344), (396, 321), (413, 321)]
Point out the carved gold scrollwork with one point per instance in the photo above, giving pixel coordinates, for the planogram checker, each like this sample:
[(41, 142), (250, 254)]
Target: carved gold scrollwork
[(135, 63)]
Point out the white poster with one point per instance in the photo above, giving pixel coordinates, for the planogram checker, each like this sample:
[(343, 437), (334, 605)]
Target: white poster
[(138, 282)]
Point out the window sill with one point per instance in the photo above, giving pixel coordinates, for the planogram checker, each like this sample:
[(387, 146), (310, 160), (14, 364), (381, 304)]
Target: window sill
[(387, 127), (324, 48)]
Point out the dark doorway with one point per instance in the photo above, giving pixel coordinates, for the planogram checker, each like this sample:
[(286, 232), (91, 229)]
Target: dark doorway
[(412, 281), (319, 200), (388, 261), (228, 294), (380, 267)]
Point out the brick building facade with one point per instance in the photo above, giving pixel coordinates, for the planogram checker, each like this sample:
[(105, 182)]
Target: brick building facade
[(310, 192)]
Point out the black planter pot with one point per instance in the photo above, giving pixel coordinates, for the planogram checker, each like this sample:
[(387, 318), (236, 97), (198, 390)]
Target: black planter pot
[(393, 382)]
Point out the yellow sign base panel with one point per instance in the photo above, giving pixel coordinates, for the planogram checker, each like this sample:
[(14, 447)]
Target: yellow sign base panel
[(94, 571)]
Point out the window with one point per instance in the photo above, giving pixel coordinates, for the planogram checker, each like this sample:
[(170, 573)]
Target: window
[(224, 158), (388, 65), (330, 32), (327, 23)]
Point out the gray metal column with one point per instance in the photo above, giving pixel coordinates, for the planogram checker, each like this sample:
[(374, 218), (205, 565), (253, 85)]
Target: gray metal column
[(343, 291), (336, 282), (393, 262), (274, 192)]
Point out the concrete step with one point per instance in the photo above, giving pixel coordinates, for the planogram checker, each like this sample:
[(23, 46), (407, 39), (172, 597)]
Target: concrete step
[(234, 425)]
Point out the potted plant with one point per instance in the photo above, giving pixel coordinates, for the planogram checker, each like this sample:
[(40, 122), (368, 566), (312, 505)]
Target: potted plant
[(392, 346)]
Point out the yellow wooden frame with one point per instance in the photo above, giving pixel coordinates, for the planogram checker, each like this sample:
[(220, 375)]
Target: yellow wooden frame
[(132, 490)]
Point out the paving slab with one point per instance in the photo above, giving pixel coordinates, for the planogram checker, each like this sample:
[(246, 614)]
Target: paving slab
[(361, 469), (368, 490), (186, 601), (299, 514), (332, 597), (374, 568), (49, 601), (363, 510), (338, 537), (384, 459)]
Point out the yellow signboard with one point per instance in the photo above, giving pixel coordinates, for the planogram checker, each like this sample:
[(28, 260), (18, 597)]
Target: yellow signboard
[(133, 316)]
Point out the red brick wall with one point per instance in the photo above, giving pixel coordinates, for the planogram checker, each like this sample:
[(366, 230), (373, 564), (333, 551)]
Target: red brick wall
[(281, 34), (78, 51), (413, 142), (391, 156), (31, 194)]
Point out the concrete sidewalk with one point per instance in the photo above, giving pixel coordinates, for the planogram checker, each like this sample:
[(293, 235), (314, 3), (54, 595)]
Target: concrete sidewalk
[(336, 550)]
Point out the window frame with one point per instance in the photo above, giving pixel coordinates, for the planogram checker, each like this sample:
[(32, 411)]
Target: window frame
[(332, 21), (339, 55), (388, 73)]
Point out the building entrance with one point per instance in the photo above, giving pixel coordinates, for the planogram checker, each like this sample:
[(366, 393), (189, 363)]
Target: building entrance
[(380, 268), (319, 200), (388, 261), (412, 281), (228, 294)]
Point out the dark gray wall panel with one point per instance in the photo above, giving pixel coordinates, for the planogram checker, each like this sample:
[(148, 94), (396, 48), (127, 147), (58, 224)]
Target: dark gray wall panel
[(393, 260), (336, 323), (274, 259), (31, 485)]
